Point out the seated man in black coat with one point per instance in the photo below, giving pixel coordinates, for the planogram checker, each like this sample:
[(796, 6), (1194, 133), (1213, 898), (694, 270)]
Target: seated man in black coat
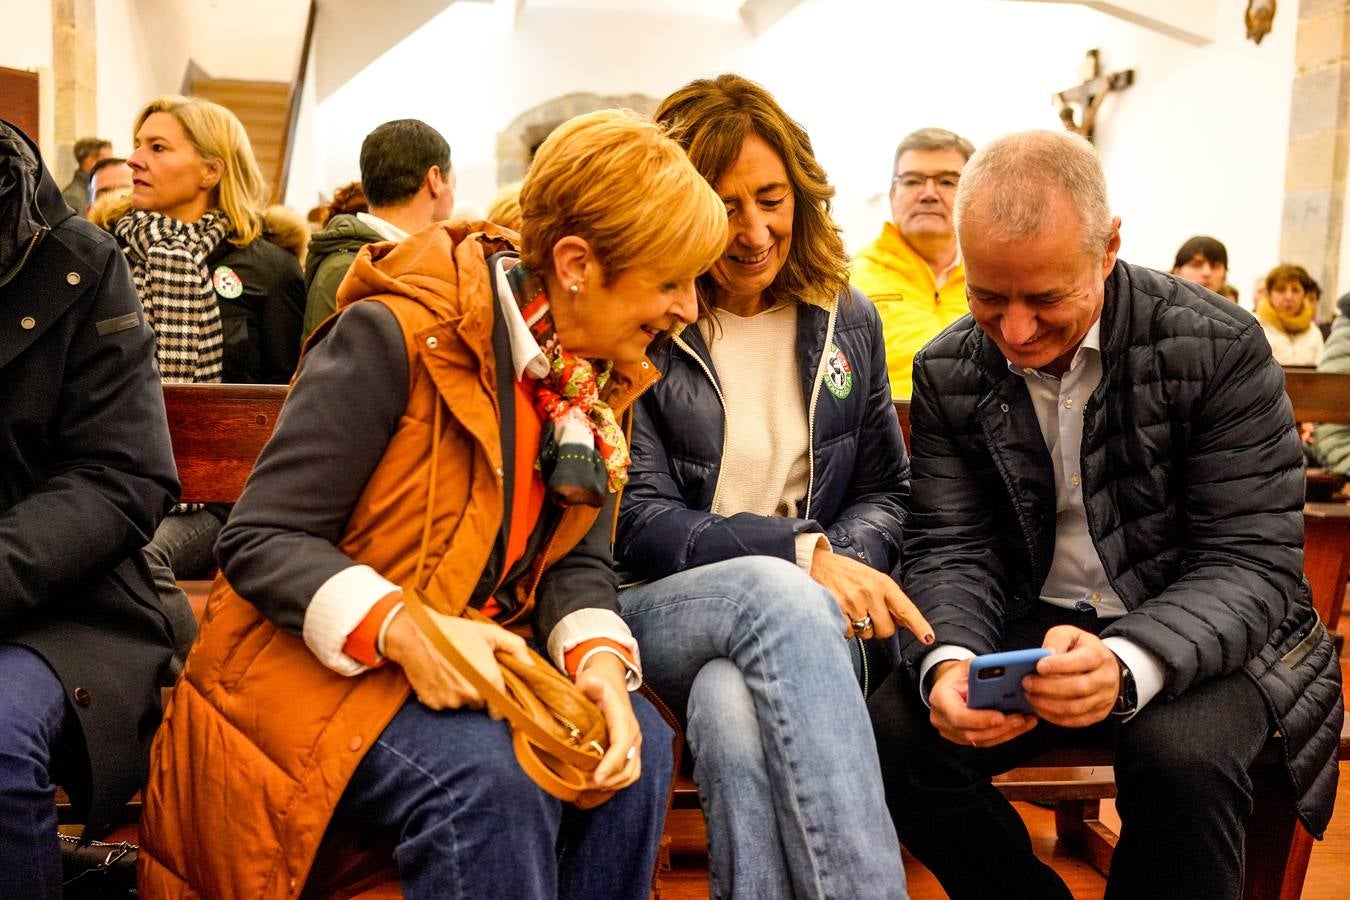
[(86, 472), (1105, 464)]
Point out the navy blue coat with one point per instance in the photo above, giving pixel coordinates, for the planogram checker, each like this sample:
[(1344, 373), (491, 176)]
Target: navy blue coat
[(1193, 485), (86, 473), (859, 473)]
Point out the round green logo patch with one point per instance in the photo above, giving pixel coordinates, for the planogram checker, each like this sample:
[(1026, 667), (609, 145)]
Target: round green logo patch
[(838, 373)]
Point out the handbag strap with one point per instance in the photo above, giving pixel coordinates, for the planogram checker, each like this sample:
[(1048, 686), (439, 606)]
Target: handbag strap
[(522, 724)]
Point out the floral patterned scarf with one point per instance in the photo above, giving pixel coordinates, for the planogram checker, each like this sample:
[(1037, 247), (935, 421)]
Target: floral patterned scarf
[(583, 455)]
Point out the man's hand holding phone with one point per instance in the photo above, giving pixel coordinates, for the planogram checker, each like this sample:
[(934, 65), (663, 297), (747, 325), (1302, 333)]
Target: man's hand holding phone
[(1078, 684), (957, 722)]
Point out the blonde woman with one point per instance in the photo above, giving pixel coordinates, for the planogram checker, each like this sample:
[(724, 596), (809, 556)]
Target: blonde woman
[(224, 301), (310, 697)]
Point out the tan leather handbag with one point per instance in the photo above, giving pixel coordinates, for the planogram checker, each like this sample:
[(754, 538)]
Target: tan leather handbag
[(559, 735)]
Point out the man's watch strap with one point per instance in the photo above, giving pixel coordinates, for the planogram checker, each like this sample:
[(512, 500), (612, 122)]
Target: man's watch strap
[(1127, 700)]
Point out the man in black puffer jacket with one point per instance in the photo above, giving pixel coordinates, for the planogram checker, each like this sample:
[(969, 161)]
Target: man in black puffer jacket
[(1105, 464)]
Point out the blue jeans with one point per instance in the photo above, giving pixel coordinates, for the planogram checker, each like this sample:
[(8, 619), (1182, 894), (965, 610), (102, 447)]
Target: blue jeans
[(470, 823), (784, 757), (32, 717)]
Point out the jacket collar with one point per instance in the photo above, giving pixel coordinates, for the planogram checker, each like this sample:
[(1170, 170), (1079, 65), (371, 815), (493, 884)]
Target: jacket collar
[(30, 202)]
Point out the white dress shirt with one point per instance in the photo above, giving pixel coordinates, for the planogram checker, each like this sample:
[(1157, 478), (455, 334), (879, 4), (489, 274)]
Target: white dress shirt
[(1076, 579), (386, 230)]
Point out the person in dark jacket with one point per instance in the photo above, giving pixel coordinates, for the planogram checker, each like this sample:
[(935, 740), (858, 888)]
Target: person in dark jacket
[(1106, 466), (86, 473), (768, 492), (408, 183)]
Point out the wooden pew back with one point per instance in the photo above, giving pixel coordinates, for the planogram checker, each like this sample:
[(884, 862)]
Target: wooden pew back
[(1318, 396), (217, 431)]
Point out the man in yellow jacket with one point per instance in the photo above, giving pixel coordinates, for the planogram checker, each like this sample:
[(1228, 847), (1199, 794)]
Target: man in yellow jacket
[(913, 271)]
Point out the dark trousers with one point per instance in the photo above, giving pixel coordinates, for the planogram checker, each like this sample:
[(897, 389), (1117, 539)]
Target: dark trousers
[(1181, 773), (33, 713)]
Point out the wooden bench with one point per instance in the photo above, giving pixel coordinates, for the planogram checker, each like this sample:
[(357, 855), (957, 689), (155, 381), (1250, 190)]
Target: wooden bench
[(217, 432)]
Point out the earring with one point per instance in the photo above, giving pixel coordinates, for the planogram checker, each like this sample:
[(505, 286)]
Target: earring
[(575, 289)]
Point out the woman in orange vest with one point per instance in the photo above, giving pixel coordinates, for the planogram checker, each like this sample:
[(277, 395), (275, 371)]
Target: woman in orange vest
[(455, 429)]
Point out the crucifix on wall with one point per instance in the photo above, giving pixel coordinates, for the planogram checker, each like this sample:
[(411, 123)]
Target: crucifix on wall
[(1078, 106)]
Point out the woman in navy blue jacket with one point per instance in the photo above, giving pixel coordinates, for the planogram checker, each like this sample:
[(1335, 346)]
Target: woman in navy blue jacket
[(764, 511)]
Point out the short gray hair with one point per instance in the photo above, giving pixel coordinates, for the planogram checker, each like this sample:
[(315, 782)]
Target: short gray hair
[(932, 139), (1007, 187)]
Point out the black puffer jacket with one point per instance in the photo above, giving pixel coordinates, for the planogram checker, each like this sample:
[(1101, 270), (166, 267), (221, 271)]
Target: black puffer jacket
[(859, 477), (1193, 484)]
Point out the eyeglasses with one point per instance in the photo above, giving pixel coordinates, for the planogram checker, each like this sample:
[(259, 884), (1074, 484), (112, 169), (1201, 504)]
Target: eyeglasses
[(945, 182)]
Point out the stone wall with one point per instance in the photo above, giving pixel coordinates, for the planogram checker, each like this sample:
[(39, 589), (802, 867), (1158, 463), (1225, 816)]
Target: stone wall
[(516, 144), (1319, 145)]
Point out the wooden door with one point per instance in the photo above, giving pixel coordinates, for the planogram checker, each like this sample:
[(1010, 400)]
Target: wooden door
[(19, 100)]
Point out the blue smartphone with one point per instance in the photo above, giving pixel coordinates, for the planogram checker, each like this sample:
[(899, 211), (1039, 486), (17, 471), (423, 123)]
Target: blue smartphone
[(996, 679)]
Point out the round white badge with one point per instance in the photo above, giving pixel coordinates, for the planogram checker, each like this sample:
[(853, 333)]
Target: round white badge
[(226, 283), (838, 373)]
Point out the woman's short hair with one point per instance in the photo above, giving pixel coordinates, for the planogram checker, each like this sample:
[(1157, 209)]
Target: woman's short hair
[(1008, 184), (1207, 248), (504, 210), (619, 183), (1284, 273), (348, 200), (712, 118), (216, 134)]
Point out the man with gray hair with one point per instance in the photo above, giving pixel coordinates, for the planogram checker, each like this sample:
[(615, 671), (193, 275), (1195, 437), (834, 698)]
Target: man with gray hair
[(1105, 465), (912, 272)]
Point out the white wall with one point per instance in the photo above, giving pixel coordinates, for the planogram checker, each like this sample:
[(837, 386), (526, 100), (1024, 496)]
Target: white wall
[(129, 74), (1196, 146), (256, 40), (467, 73), (305, 188), (144, 48)]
